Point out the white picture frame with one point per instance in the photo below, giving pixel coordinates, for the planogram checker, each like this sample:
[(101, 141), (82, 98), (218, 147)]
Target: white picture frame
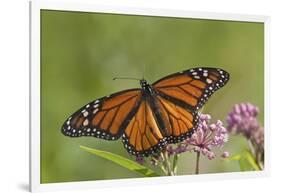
[(36, 6)]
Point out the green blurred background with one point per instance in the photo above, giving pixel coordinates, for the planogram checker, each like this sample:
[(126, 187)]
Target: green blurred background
[(82, 52)]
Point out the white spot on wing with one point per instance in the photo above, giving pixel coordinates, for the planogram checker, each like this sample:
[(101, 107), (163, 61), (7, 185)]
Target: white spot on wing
[(209, 81), (85, 114), (86, 122), (95, 111)]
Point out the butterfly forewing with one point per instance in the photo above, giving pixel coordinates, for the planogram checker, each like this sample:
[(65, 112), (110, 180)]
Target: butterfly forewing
[(104, 118), (191, 88)]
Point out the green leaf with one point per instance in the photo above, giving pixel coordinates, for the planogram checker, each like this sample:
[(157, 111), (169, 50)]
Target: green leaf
[(246, 161), (244, 165), (251, 160), (124, 162)]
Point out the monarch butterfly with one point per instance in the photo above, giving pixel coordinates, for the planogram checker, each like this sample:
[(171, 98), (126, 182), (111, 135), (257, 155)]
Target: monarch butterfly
[(150, 117)]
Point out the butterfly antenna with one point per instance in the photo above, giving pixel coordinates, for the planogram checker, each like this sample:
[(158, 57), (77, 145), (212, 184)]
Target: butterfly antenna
[(125, 78), (143, 71)]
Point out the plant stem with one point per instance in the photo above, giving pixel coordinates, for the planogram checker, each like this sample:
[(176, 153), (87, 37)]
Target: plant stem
[(170, 171), (166, 163), (175, 163), (197, 162), (163, 164), (252, 149), (255, 154), (163, 169)]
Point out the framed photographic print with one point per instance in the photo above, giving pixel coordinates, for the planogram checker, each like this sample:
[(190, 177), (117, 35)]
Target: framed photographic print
[(128, 95)]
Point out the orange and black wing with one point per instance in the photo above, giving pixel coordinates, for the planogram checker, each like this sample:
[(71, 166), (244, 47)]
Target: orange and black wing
[(179, 122), (156, 123), (191, 88), (104, 118), (144, 136)]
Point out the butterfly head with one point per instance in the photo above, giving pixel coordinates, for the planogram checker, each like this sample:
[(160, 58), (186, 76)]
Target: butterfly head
[(146, 86), (143, 83)]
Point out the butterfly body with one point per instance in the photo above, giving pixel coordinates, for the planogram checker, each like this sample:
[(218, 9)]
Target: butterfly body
[(149, 95), (152, 116)]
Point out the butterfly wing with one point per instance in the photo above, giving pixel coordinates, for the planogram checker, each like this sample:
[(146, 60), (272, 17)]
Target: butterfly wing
[(191, 88), (179, 122), (104, 118), (157, 123), (143, 135)]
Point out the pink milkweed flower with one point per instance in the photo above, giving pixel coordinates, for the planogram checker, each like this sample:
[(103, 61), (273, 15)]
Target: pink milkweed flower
[(242, 119), (207, 136)]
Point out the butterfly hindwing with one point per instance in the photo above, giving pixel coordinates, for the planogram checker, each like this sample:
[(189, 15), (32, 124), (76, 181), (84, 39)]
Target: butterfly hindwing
[(179, 122), (104, 118), (143, 136), (191, 88)]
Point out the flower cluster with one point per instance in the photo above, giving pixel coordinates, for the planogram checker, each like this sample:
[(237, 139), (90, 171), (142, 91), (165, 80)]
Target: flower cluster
[(243, 120), (206, 137)]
